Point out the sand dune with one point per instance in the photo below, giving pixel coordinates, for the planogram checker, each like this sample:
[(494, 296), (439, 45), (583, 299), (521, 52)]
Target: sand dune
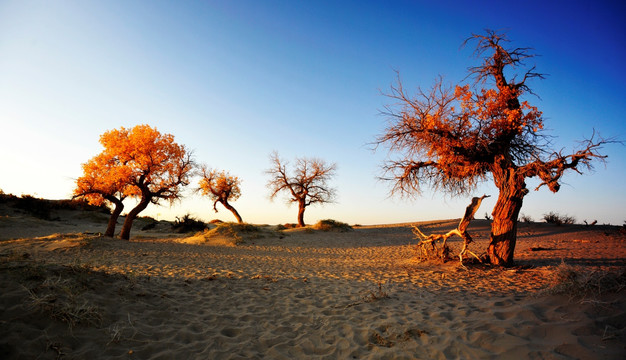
[(305, 294)]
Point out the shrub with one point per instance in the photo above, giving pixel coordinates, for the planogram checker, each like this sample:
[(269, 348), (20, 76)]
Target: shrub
[(331, 225), (39, 208), (187, 223), (556, 219), (526, 218)]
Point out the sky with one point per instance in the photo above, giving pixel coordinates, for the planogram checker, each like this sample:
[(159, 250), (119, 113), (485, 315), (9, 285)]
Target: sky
[(236, 80)]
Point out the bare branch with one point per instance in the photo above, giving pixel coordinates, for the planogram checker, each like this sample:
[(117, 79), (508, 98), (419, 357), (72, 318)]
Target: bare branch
[(551, 170)]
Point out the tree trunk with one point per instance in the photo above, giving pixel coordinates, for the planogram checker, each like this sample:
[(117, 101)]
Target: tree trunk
[(301, 207), (505, 213), (232, 210), (119, 206), (128, 223)]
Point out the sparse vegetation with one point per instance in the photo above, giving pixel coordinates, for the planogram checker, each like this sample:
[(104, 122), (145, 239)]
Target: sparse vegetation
[(584, 284), (331, 225), (188, 223), (286, 226), (526, 218), (42, 208), (377, 294), (39, 208), (557, 219), (58, 293), (236, 232)]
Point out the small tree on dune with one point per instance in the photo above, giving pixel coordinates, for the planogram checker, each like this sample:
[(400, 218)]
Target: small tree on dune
[(308, 185), (104, 181), (451, 139), (221, 188), (149, 165)]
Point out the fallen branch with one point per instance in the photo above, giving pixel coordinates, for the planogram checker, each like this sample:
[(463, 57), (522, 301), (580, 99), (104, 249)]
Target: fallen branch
[(460, 231)]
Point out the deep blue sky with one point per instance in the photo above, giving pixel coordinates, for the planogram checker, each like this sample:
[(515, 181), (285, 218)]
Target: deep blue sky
[(235, 80)]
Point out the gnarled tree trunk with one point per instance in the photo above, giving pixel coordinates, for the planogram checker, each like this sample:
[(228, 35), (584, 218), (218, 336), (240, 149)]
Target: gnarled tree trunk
[(505, 213), (232, 210), (119, 206), (128, 223), (301, 207)]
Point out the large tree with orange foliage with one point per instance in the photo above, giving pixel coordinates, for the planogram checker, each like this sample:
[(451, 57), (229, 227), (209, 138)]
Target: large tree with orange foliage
[(307, 186), (139, 162), (103, 180), (221, 188), (158, 166), (451, 138)]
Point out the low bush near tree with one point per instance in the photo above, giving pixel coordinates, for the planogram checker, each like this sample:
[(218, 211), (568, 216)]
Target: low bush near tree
[(188, 223), (331, 225), (557, 219)]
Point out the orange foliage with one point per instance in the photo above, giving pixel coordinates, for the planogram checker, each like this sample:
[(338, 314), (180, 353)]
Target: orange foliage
[(138, 162), (102, 178), (451, 139), (151, 162), (219, 186), (132, 159)]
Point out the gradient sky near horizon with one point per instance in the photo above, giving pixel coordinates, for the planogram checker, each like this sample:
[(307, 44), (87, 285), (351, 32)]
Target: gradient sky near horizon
[(236, 80)]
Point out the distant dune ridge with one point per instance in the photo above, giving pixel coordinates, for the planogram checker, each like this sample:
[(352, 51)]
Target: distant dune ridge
[(68, 292)]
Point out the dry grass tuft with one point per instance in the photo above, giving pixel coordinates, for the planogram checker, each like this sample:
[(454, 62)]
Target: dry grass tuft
[(583, 284), (60, 298), (331, 225), (387, 336), (377, 294)]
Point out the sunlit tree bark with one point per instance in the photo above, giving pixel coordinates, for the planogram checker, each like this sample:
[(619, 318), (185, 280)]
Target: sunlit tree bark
[(451, 138), (308, 185)]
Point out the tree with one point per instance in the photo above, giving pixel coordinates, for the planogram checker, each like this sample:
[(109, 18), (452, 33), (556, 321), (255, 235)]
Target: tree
[(221, 188), (150, 163), (452, 138), (307, 186), (104, 181)]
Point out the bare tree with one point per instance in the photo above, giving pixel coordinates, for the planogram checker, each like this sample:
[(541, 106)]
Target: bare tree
[(220, 187), (450, 139), (308, 185)]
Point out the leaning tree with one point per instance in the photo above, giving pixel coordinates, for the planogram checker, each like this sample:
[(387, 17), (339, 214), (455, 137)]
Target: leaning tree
[(452, 138), (104, 181), (220, 187), (307, 185)]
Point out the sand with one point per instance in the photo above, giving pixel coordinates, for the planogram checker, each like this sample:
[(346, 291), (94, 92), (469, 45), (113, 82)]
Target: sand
[(360, 294)]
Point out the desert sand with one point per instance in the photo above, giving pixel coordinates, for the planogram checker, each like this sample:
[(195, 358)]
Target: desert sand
[(69, 293)]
